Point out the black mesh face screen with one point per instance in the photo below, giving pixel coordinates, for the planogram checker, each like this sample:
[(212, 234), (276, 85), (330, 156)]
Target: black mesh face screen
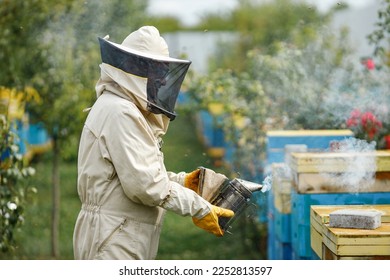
[(164, 77), (163, 89)]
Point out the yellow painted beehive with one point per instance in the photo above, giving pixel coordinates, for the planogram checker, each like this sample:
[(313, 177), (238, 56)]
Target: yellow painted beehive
[(360, 243), (342, 243), (326, 172)]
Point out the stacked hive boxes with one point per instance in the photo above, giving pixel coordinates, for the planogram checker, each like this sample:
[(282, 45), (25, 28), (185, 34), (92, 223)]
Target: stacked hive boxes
[(343, 243), (314, 185), (279, 145)]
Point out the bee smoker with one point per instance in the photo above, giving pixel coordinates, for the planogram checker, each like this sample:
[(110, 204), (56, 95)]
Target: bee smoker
[(229, 194), (234, 195)]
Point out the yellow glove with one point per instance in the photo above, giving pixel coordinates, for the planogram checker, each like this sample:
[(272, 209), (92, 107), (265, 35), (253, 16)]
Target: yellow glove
[(210, 221), (191, 180)]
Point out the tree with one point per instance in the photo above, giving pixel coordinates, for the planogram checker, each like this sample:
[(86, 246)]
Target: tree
[(55, 49), (320, 87), (263, 26), (72, 56), (298, 80), (20, 49), (382, 34), (18, 40)]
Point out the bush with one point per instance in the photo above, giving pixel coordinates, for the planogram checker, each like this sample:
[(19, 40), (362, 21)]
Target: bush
[(13, 190)]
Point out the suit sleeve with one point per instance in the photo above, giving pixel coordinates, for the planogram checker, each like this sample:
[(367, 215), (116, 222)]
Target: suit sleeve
[(139, 165)]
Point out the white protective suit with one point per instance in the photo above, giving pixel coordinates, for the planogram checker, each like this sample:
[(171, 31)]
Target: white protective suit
[(122, 182)]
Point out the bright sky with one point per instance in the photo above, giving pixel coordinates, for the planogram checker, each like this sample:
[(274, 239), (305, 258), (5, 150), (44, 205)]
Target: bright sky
[(189, 11)]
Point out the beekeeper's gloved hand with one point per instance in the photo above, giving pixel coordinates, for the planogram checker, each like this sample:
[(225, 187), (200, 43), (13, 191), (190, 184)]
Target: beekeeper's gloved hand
[(210, 221), (191, 180), (205, 182)]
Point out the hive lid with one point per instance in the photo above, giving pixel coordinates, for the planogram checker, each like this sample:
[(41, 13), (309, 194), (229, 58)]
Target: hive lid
[(320, 213), (338, 161)]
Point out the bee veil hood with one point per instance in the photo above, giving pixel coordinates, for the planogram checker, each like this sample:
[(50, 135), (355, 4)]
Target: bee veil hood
[(141, 69)]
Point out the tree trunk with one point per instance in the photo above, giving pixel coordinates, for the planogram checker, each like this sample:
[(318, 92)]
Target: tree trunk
[(55, 200)]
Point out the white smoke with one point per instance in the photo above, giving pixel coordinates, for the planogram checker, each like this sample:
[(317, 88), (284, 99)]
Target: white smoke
[(358, 165), (267, 183)]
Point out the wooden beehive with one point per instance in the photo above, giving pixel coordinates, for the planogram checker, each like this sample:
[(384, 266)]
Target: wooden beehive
[(341, 243), (318, 172), (314, 140), (361, 243)]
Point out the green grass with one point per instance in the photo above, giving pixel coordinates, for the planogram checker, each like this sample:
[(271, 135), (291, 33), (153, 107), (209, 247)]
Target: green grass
[(180, 239)]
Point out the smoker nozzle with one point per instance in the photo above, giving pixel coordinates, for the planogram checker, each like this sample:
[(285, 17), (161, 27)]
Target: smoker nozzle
[(253, 187)]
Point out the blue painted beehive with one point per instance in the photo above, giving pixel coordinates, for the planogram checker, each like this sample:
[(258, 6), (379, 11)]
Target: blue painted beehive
[(300, 214), (279, 216)]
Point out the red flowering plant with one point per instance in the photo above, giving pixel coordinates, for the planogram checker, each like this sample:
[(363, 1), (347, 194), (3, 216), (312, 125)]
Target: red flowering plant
[(386, 139), (367, 126)]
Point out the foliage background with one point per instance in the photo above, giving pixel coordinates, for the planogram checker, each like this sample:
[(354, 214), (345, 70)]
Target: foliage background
[(284, 72)]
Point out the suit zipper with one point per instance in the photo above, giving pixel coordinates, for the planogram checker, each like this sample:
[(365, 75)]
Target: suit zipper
[(118, 229)]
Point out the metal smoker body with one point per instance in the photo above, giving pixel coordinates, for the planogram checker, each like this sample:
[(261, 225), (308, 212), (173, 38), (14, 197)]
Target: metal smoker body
[(234, 196), (230, 194)]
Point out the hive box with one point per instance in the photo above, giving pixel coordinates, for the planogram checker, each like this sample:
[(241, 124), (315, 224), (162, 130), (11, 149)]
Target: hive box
[(320, 172), (340, 243), (343, 243), (315, 140)]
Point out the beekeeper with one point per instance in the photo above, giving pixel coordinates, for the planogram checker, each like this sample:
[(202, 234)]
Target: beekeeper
[(122, 182)]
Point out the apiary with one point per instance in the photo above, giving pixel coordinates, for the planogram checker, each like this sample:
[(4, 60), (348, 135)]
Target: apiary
[(349, 243), (288, 212)]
